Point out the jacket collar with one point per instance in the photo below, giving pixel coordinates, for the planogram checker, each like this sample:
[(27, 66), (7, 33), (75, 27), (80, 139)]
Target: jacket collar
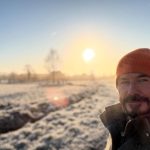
[(112, 114), (139, 126)]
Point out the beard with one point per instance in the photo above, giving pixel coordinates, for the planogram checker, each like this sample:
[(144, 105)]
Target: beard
[(135, 111)]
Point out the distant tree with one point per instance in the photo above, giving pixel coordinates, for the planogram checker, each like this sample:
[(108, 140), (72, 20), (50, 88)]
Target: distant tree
[(3, 78), (28, 71), (52, 63), (12, 77), (60, 78), (30, 74)]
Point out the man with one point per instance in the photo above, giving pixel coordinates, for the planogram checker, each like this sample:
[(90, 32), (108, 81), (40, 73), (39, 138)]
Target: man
[(129, 121)]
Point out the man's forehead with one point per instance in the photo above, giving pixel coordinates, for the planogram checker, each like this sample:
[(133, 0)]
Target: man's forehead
[(132, 75)]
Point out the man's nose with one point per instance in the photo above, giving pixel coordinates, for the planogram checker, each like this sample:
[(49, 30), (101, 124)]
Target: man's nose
[(132, 89)]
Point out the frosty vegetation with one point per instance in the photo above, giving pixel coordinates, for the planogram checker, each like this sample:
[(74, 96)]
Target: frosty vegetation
[(30, 118)]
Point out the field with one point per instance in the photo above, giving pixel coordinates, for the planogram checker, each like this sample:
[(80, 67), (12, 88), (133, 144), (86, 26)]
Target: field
[(37, 117)]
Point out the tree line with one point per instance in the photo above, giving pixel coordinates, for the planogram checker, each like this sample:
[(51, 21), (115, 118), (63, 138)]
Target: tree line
[(54, 74)]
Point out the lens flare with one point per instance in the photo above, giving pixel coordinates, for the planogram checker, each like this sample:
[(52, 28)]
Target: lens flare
[(56, 97)]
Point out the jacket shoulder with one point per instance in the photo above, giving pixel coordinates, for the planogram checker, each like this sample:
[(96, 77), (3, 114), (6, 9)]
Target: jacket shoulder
[(112, 113)]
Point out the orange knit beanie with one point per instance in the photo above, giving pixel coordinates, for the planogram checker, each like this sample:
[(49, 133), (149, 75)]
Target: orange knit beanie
[(137, 61)]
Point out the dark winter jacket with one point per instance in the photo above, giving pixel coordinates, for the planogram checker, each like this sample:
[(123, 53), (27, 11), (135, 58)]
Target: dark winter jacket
[(126, 134)]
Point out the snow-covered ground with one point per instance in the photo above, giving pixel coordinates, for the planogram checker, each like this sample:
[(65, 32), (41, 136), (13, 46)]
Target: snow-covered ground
[(35, 117)]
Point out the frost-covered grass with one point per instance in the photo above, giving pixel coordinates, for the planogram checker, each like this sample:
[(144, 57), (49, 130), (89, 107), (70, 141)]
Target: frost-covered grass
[(46, 126)]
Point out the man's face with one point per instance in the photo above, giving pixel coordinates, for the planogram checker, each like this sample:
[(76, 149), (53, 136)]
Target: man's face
[(134, 92)]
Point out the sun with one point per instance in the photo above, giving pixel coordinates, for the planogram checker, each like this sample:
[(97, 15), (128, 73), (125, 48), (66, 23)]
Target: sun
[(88, 54)]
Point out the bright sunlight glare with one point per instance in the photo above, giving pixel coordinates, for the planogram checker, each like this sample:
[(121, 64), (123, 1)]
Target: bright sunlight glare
[(88, 54)]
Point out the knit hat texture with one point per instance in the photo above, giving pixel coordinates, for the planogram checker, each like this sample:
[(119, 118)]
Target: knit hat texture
[(137, 61)]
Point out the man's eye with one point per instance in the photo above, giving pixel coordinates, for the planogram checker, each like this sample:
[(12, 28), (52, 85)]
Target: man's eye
[(144, 80), (124, 82)]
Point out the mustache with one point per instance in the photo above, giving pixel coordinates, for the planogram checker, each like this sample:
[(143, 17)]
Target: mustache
[(136, 98)]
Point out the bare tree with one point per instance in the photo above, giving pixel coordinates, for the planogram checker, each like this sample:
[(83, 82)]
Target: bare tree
[(12, 77), (29, 72), (52, 64)]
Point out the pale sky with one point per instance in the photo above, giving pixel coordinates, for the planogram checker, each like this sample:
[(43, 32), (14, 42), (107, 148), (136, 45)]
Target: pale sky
[(30, 28)]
